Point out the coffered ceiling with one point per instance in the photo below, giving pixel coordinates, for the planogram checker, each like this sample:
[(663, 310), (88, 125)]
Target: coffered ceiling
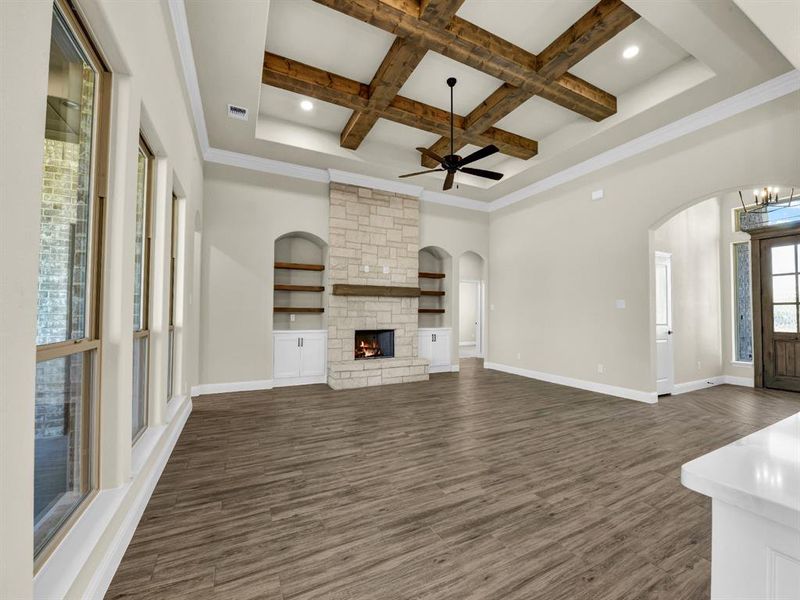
[(545, 80)]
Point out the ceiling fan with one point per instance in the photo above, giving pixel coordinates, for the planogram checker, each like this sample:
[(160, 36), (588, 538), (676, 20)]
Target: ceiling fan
[(452, 163)]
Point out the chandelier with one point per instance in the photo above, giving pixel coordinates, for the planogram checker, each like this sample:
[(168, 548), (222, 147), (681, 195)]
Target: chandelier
[(763, 198)]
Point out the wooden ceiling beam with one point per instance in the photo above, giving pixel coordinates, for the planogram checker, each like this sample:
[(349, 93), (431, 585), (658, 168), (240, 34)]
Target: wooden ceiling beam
[(469, 44), (300, 78), (397, 66), (601, 23)]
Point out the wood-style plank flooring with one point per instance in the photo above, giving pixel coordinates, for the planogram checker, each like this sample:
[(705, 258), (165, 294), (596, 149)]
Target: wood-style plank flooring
[(478, 485)]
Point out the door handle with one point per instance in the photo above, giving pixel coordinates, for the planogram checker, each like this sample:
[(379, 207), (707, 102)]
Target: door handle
[(298, 342), (669, 332), (301, 342)]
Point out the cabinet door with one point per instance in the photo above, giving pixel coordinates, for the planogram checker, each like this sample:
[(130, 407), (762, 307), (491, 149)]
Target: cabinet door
[(286, 356), (440, 356), (425, 349), (312, 349)]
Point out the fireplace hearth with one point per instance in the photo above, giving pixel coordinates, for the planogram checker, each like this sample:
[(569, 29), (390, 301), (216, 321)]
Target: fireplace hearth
[(374, 343)]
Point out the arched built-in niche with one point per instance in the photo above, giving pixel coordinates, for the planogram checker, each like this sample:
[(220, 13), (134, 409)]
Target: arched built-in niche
[(470, 321), (299, 282), (435, 268)]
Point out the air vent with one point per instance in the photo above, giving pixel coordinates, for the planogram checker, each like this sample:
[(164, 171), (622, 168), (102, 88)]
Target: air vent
[(237, 112)]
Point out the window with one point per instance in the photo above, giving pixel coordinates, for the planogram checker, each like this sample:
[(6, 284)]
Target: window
[(743, 309), (141, 290), (68, 311), (173, 258), (784, 288)]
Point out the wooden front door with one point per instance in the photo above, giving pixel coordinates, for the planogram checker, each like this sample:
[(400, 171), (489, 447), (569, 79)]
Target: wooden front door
[(780, 302)]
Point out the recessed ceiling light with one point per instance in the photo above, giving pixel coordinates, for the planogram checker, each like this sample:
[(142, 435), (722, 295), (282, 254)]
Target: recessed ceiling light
[(306, 105), (630, 52)]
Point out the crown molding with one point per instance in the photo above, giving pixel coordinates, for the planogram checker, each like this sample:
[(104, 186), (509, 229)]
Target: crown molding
[(743, 101), (751, 98)]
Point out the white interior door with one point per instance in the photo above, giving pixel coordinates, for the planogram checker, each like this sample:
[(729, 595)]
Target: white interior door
[(664, 357), (469, 318)]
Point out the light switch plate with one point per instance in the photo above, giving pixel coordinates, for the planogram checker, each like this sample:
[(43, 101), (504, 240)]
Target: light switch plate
[(385, 269), (366, 268), (597, 195), (620, 303), (291, 318)]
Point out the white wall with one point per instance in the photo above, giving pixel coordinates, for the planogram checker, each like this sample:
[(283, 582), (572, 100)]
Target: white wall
[(146, 93), (692, 237), (559, 261), (245, 211)]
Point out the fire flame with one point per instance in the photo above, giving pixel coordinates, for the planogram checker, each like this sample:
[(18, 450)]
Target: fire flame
[(368, 349)]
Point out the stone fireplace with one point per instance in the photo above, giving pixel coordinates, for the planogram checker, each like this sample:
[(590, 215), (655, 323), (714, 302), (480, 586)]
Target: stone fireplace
[(374, 244)]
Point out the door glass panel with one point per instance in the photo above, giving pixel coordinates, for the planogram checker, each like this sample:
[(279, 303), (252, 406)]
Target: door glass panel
[(783, 259), (784, 288), (62, 445), (65, 208), (784, 318)]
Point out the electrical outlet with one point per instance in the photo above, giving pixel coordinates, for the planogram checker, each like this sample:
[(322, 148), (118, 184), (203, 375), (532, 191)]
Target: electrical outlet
[(385, 269), (491, 307), (366, 268), (291, 318), (698, 365), (601, 368), (620, 304), (519, 356)]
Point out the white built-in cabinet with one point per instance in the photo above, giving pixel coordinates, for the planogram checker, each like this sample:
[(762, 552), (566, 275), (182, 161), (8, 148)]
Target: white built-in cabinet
[(434, 345), (299, 357)]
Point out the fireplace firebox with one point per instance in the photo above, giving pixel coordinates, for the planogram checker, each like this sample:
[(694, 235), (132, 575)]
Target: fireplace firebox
[(374, 343)]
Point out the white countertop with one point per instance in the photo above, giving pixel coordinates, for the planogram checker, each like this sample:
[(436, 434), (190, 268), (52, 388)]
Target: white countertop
[(759, 473)]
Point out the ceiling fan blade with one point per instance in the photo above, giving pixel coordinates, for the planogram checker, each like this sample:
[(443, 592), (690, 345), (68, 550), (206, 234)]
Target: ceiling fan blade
[(482, 173), (420, 173), (479, 154), (448, 181), (430, 154)]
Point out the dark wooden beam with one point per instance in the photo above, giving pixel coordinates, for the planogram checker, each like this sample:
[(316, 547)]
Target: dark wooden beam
[(471, 45), (392, 291), (605, 20), (304, 79), (397, 66), (285, 287)]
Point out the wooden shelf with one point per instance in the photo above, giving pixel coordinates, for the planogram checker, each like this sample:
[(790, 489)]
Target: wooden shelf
[(299, 266), (297, 309), (431, 311), (426, 275), (431, 293), (391, 291), (285, 287)]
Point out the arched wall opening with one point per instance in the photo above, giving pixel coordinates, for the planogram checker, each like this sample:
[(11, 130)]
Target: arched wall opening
[(701, 303), (300, 282)]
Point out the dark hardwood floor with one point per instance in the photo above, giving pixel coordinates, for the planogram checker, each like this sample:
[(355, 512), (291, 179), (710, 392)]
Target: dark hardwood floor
[(478, 485)]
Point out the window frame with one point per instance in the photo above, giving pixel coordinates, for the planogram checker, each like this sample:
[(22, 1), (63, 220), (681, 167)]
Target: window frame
[(173, 265), (90, 345), (147, 249)]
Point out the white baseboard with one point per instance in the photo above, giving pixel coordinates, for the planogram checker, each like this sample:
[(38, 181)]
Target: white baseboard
[(592, 386), (234, 386), (58, 574), (440, 369), (298, 381), (742, 381), (691, 386), (699, 384)]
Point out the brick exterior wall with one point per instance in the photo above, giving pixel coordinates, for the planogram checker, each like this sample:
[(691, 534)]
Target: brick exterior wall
[(376, 229)]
